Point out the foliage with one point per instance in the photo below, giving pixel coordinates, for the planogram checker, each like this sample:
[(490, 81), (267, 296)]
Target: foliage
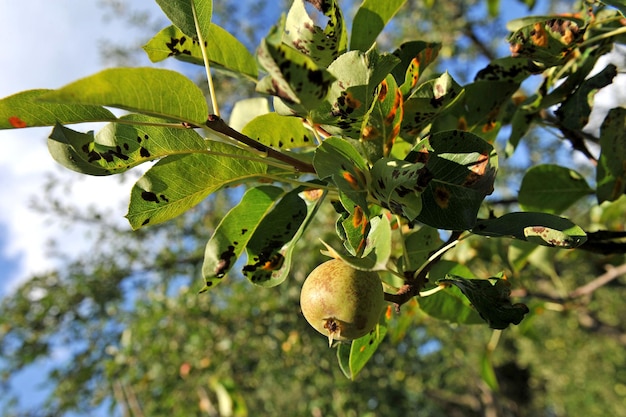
[(405, 156)]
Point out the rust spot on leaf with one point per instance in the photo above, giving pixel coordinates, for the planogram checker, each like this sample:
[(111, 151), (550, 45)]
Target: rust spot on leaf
[(16, 122), (442, 197), (383, 89), (539, 36)]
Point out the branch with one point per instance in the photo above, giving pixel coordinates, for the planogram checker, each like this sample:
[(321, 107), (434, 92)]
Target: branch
[(415, 280), (219, 125), (482, 47), (603, 241), (575, 137), (611, 274)]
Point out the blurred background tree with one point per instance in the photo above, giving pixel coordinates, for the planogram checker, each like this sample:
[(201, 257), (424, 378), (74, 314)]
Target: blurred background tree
[(137, 339)]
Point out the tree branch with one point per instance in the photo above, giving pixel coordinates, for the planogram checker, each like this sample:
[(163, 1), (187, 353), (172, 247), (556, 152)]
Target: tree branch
[(219, 125), (415, 282)]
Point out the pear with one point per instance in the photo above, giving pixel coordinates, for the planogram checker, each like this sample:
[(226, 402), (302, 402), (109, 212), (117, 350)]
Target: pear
[(341, 302)]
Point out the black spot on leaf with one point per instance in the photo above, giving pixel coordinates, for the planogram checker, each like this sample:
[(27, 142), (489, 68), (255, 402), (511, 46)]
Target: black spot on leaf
[(149, 196), (225, 261), (144, 152)]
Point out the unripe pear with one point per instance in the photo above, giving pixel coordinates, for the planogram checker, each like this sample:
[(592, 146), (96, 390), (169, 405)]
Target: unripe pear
[(341, 302)]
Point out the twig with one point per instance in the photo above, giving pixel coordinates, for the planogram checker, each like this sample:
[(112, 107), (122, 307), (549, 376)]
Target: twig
[(611, 274), (214, 122), (205, 58), (415, 280)]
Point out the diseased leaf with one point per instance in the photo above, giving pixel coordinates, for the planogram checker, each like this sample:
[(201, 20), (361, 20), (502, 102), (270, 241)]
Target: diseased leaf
[(429, 100), (267, 247), (551, 189), (382, 126), (353, 225), (302, 34), (414, 57), (153, 91), (350, 99), (61, 144), (235, 231), (369, 21), (541, 228), (544, 39), (337, 159), (274, 274), (24, 109), (224, 51), (398, 186), (611, 170), (491, 298), (122, 145), (292, 76), (178, 182), (279, 132), (460, 172)]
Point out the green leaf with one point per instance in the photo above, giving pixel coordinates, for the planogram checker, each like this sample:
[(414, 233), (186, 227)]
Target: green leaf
[(157, 92), (460, 172), (224, 51), (493, 7), (271, 238), (24, 109), (551, 189), (279, 132), (61, 146), (302, 34), (292, 76), (618, 4), (491, 298), (414, 57), (180, 14), (244, 111), (418, 246), (370, 20), (350, 99), (377, 250), (449, 304), (121, 146), (353, 359), (235, 230), (541, 228), (338, 160), (574, 111), (178, 182), (611, 170)]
